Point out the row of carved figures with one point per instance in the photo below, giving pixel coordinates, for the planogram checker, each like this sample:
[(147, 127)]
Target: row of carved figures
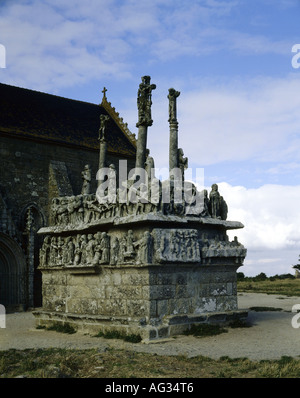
[(177, 245), (218, 248), (84, 209), (95, 249), (101, 248)]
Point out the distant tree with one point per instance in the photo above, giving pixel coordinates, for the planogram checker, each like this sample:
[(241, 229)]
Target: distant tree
[(260, 277), (297, 266), (240, 276)]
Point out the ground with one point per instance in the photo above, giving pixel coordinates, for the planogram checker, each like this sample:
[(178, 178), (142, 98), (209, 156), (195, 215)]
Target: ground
[(270, 336)]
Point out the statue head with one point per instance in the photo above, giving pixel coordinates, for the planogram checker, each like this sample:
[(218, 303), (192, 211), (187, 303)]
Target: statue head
[(146, 79)]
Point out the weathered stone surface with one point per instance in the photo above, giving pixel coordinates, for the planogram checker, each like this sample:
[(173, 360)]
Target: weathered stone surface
[(147, 268)]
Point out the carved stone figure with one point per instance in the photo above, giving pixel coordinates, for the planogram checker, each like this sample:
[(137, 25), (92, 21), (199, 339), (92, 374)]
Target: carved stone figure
[(215, 201), (97, 249), (53, 251), (142, 199), (102, 130), (222, 249), (205, 211), (87, 177), (90, 249), (45, 252), (182, 162), (59, 210), (123, 248), (83, 248), (87, 205), (144, 102), (53, 211), (71, 207), (144, 249), (103, 144), (130, 243), (105, 248), (149, 165), (70, 249), (65, 251), (77, 251), (173, 94), (80, 209), (114, 251)]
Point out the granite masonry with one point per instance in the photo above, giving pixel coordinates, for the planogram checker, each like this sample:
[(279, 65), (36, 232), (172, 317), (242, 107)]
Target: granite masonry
[(141, 256), (46, 142)]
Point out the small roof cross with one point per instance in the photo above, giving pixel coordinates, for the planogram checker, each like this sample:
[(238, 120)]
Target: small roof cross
[(104, 92)]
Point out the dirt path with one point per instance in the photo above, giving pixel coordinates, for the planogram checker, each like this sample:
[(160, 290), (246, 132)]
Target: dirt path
[(270, 337)]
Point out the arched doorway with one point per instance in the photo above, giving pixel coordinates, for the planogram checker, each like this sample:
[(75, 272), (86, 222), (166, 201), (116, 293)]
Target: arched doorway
[(12, 274)]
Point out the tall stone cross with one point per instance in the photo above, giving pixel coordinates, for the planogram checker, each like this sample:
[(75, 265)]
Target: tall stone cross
[(144, 102), (103, 143), (173, 143)]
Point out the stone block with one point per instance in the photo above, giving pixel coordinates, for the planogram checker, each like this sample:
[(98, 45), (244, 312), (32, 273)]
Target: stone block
[(162, 307), (137, 278), (226, 303), (162, 292), (137, 308)]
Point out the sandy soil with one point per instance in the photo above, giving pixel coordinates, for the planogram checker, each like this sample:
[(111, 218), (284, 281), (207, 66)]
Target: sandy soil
[(270, 337)]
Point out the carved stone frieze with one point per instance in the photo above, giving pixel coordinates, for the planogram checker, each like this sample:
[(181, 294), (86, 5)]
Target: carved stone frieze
[(176, 245), (222, 249)]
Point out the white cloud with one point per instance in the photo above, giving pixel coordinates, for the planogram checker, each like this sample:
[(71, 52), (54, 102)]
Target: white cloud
[(55, 44), (258, 121), (50, 46), (271, 221)]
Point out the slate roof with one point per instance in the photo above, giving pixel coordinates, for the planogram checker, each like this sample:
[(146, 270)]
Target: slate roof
[(40, 116)]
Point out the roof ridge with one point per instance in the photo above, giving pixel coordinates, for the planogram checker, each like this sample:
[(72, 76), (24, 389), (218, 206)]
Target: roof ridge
[(116, 117), (48, 94)]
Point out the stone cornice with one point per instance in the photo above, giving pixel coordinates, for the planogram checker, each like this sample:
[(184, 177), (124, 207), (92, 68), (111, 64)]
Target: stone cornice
[(117, 119)]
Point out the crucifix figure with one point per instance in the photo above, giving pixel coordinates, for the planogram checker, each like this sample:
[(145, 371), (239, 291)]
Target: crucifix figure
[(173, 94), (102, 130), (103, 142), (144, 102)]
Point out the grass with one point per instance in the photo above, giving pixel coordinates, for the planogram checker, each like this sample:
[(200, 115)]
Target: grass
[(65, 363), (114, 334), (113, 363), (285, 287), (204, 330), (59, 327)]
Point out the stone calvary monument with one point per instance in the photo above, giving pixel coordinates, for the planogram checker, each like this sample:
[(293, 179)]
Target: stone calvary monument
[(143, 256)]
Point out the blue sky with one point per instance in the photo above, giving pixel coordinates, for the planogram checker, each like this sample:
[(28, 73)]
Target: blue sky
[(231, 60)]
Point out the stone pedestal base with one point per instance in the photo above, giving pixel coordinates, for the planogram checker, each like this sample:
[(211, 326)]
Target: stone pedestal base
[(153, 301), (168, 326)]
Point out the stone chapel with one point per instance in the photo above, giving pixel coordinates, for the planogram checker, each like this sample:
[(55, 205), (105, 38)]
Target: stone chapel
[(46, 143)]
